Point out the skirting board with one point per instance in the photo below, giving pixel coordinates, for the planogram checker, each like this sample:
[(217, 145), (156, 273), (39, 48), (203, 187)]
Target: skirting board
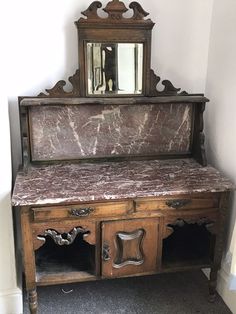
[(11, 302), (225, 286)]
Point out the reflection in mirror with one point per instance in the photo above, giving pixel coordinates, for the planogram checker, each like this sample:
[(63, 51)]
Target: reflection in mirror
[(115, 68)]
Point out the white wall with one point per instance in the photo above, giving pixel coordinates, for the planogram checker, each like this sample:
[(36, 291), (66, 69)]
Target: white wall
[(10, 294), (41, 48), (220, 123)]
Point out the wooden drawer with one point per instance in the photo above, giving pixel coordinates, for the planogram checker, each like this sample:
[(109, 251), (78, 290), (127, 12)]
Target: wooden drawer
[(178, 203), (82, 210)]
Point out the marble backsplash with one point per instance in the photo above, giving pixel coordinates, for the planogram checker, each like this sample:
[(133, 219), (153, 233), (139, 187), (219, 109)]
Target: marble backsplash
[(85, 131)]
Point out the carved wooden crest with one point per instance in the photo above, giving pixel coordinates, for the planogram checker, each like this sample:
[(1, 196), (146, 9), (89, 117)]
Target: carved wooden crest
[(115, 10)]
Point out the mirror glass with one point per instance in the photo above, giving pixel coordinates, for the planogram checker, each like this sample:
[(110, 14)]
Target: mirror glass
[(115, 68)]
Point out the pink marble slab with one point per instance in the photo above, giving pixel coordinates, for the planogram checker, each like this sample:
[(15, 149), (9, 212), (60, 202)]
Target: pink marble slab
[(84, 131), (85, 182)]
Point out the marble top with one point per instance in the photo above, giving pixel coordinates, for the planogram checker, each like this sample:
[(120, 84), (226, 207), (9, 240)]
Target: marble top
[(85, 182)]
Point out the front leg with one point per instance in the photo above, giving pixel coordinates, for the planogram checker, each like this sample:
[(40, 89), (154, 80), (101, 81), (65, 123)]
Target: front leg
[(33, 303), (213, 284)]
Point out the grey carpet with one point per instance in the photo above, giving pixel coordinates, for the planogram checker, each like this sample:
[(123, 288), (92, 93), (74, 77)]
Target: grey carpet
[(175, 293)]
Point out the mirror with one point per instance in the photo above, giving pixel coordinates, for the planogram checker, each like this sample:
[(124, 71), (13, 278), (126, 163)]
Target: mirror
[(114, 68)]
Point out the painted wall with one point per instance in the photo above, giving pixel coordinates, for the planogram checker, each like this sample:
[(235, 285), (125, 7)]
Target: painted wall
[(10, 294), (41, 48), (220, 125)]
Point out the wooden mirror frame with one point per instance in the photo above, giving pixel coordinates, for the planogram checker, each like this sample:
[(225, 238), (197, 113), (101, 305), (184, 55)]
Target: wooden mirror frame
[(114, 28)]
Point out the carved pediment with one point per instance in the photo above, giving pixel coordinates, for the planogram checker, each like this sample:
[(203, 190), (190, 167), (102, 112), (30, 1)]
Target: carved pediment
[(115, 10)]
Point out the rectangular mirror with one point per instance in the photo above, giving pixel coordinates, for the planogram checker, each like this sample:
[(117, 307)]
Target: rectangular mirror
[(114, 68)]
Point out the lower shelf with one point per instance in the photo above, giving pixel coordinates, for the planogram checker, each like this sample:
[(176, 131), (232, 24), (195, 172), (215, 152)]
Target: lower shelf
[(44, 278), (62, 264), (190, 245), (190, 264)]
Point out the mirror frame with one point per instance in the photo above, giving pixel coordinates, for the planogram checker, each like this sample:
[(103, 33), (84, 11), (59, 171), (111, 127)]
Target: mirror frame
[(115, 28)]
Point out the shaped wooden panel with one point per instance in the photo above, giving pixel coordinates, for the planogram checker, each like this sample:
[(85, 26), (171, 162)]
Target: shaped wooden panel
[(130, 247)]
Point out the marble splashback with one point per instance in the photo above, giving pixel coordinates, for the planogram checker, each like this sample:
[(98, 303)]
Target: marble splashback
[(84, 131)]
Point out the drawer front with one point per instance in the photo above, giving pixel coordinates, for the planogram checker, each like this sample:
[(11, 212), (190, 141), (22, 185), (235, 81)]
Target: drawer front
[(82, 210), (177, 203)]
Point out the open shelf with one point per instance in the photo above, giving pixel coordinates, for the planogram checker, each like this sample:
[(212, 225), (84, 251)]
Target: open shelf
[(189, 245), (58, 264)]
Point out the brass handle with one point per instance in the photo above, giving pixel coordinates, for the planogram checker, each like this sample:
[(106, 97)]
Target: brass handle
[(81, 212), (106, 252), (178, 203)]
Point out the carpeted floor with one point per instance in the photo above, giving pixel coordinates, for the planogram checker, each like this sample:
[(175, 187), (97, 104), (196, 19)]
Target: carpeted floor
[(176, 293)]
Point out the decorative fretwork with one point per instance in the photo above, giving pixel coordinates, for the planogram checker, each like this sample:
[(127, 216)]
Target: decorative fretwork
[(115, 10), (58, 89), (62, 239), (126, 250)]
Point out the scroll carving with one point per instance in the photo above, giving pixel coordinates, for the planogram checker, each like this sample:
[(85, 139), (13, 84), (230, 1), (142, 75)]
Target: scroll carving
[(58, 89), (91, 12), (124, 258), (139, 13), (169, 89), (59, 239), (115, 10)]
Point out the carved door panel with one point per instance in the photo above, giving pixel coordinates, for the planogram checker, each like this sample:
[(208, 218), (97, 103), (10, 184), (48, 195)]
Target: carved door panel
[(130, 247)]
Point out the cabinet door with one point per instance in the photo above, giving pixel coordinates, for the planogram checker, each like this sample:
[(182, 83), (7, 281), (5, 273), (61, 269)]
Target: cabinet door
[(130, 247)]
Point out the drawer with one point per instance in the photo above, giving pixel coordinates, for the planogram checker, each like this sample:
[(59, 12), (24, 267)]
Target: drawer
[(177, 203), (82, 210)]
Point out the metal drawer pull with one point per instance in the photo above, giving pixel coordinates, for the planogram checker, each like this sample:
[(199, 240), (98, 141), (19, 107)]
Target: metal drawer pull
[(81, 212), (178, 203), (106, 252)]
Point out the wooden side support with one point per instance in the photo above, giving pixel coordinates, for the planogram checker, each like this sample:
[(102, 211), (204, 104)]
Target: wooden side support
[(29, 259), (218, 251), (198, 145)]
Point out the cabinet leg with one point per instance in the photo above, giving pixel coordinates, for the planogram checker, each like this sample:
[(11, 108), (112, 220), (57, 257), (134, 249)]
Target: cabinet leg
[(213, 284), (33, 304)]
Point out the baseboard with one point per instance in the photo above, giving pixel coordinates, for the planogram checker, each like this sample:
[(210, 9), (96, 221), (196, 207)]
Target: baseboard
[(225, 283), (232, 283), (11, 302)]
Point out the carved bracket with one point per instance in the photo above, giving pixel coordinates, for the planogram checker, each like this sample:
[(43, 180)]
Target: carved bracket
[(58, 89), (169, 89), (61, 239)]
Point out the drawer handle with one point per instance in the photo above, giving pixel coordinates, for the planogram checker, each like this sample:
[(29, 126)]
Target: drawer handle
[(81, 212), (106, 252), (177, 203)]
